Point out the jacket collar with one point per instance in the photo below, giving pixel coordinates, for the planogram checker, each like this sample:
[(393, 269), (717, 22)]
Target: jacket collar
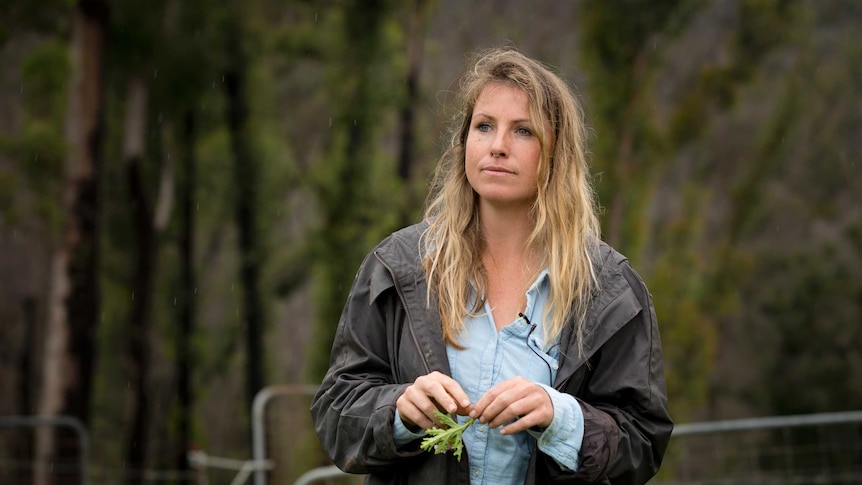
[(612, 306), (400, 253)]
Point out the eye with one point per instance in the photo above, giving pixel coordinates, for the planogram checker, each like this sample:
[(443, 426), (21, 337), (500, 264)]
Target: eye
[(483, 126), (524, 131)]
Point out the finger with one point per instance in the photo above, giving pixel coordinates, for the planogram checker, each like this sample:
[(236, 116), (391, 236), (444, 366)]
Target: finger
[(521, 423), (419, 408), (535, 409), (507, 406), (417, 405), (489, 405), (459, 397), (446, 392), (412, 416), (512, 400)]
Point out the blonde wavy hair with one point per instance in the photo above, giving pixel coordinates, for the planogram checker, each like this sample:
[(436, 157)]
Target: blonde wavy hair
[(566, 225)]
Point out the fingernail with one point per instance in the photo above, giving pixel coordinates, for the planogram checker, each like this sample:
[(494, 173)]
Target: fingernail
[(452, 408), (473, 414), (465, 403)]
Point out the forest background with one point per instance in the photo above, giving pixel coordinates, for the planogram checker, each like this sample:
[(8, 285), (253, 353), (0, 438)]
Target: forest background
[(187, 189)]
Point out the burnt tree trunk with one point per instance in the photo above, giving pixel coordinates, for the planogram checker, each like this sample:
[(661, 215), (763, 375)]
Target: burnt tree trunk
[(245, 206), (186, 301), (138, 355), (414, 60), (73, 305), (24, 445)]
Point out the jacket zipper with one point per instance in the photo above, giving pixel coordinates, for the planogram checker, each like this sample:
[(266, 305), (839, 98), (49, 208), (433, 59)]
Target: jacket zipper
[(406, 311)]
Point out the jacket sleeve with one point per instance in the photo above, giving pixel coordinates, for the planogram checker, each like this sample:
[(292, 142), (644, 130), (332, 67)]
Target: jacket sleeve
[(354, 409), (623, 397)]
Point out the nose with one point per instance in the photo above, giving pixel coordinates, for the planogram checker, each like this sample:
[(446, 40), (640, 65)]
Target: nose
[(498, 145)]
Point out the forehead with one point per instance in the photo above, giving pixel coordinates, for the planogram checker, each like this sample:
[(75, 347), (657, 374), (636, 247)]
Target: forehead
[(498, 96)]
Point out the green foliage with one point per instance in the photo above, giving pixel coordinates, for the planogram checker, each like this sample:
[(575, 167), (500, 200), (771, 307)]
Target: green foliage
[(616, 34), (687, 306), (45, 16), (694, 276), (45, 73), (349, 204), (447, 438), (763, 26), (39, 148), (809, 297)]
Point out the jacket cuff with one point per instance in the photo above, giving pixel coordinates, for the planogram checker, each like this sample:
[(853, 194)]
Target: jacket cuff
[(402, 433), (563, 438)]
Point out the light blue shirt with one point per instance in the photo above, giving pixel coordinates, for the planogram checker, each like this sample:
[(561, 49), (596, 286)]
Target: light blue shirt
[(490, 357)]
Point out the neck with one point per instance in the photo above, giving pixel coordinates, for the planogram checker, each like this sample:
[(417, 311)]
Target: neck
[(506, 234)]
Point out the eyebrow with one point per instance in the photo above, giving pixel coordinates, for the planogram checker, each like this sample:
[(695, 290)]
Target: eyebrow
[(486, 115)]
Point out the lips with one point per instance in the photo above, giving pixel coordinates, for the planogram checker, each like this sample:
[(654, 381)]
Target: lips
[(497, 169)]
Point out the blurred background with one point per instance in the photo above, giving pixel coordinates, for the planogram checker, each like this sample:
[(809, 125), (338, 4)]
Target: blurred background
[(188, 187)]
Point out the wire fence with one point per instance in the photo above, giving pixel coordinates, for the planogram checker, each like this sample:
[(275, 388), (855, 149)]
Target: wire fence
[(788, 450), (18, 450), (817, 449)]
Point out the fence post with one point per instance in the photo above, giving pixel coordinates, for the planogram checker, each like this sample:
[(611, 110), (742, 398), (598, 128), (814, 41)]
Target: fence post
[(258, 414), (59, 421)]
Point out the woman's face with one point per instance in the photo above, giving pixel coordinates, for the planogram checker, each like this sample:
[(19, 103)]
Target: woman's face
[(502, 150)]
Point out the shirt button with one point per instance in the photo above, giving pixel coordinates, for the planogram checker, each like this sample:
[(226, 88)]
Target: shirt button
[(475, 473), (482, 428)]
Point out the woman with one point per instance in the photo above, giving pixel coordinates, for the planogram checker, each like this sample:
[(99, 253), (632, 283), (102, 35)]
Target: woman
[(503, 305)]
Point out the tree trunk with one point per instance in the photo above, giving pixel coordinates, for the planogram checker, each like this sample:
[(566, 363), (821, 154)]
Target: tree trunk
[(408, 122), (24, 446), (246, 179), (138, 356), (73, 305), (414, 61), (188, 284)]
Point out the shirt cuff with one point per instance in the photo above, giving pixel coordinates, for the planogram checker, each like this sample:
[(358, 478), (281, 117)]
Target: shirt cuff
[(403, 435), (563, 438)]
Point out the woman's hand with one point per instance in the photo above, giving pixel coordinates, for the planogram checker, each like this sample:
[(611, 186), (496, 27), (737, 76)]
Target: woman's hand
[(429, 393), (518, 399)]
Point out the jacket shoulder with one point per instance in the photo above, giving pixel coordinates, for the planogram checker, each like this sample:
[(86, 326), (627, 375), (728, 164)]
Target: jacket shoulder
[(616, 300), (396, 259), (610, 268)]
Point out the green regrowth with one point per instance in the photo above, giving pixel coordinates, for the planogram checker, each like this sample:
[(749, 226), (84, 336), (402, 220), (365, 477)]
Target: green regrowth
[(441, 440)]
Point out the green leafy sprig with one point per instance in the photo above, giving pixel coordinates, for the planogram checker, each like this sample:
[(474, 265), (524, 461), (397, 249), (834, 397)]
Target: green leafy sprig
[(441, 440)]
